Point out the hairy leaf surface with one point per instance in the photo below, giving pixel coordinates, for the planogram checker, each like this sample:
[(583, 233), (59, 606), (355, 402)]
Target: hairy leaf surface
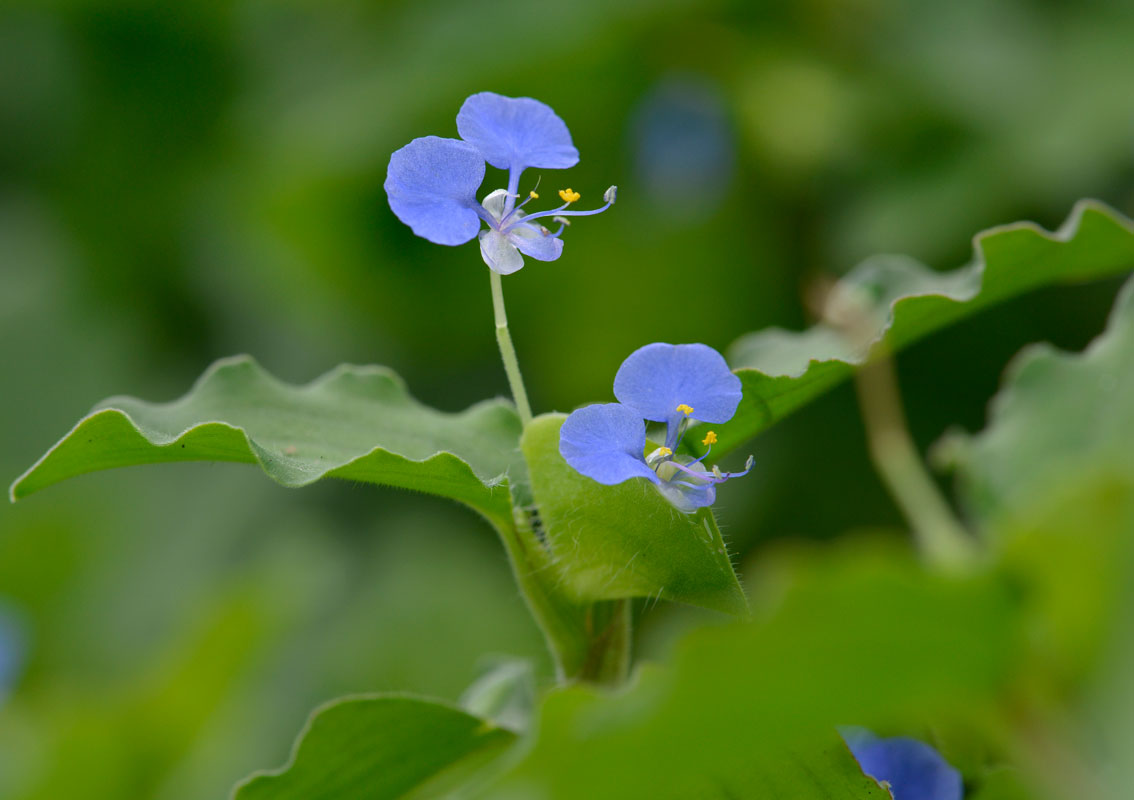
[(610, 542)]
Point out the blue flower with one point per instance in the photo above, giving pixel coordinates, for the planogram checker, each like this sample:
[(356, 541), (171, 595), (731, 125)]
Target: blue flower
[(11, 649), (432, 182), (668, 383), (912, 769)]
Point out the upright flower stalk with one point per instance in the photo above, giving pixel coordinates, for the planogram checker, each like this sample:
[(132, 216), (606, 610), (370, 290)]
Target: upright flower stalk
[(432, 184), (508, 351)]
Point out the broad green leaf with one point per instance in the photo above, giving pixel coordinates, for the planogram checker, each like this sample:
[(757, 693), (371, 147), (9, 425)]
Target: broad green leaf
[(1061, 420), (749, 709), (782, 370), (1051, 483), (610, 542), (380, 746), (357, 423)]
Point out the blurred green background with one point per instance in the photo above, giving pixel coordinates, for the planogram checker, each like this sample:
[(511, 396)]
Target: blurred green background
[(181, 184)]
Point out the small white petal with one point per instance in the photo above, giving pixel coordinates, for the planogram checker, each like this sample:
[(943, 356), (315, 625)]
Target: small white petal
[(498, 253), (536, 244), (494, 203)]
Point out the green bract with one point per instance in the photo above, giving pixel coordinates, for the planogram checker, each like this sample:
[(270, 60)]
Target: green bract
[(625, 540)]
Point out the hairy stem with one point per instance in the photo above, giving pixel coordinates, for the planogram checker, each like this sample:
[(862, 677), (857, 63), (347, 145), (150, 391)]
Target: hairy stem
[(508, 351), (588, 641)]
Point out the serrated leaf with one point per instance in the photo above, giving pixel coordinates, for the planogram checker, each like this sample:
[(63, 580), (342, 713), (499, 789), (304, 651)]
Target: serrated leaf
[(749, 709), (378, 747), (358, 423), (610, 542), (782, 370)]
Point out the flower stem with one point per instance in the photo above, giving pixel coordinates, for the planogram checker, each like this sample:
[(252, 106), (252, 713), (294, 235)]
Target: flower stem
[(940, 537), (508, 352), (589, 642)]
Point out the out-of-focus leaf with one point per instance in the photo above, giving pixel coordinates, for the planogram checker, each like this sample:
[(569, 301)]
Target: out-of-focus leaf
[(750, 709), (1051, 482), (905, 300), (610, 542), (504, 694), (382, 746), (357, 423), (1061, 420)]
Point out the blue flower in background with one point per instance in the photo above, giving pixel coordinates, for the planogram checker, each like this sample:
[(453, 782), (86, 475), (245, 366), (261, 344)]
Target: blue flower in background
[(432, 182), (668, 383), (11, 651), (912, 769)]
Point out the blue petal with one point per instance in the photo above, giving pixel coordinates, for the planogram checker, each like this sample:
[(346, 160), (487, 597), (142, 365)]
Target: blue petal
[(914, 770), (605, 442), (432, 183), (11, 650), (654, 380), (516, 132)]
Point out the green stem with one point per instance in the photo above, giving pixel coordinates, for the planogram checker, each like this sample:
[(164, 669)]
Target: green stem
[(588, 642), (941, 538), (508, 352)]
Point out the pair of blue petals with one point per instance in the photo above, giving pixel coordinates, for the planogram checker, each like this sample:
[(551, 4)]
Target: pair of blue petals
[(607, 441), (432, 182)]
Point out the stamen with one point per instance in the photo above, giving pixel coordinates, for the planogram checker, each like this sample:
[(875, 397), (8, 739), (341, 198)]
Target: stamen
[(684, 409), (609, 196), (710, 438), (533, 195), (659, 455)]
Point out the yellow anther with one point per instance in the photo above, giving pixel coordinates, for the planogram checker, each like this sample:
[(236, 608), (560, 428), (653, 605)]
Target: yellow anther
[(710, 438), (684, 409), (533, 195), (568, 196), (664, 451)]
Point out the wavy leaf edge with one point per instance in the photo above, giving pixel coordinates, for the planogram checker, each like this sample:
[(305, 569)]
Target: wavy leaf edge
[(977, 267), (297, 745), (105, 408)]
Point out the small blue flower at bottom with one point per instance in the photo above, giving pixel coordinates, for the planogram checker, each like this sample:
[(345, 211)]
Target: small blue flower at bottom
[(432, 182), (912, 769), (674, 384)]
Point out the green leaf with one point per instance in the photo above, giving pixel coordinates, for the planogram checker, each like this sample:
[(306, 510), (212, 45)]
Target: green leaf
[(610, 542), (380, 746), (782, 370), (1051, 482), (358, 423), (855, 635), (1061, 420)]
